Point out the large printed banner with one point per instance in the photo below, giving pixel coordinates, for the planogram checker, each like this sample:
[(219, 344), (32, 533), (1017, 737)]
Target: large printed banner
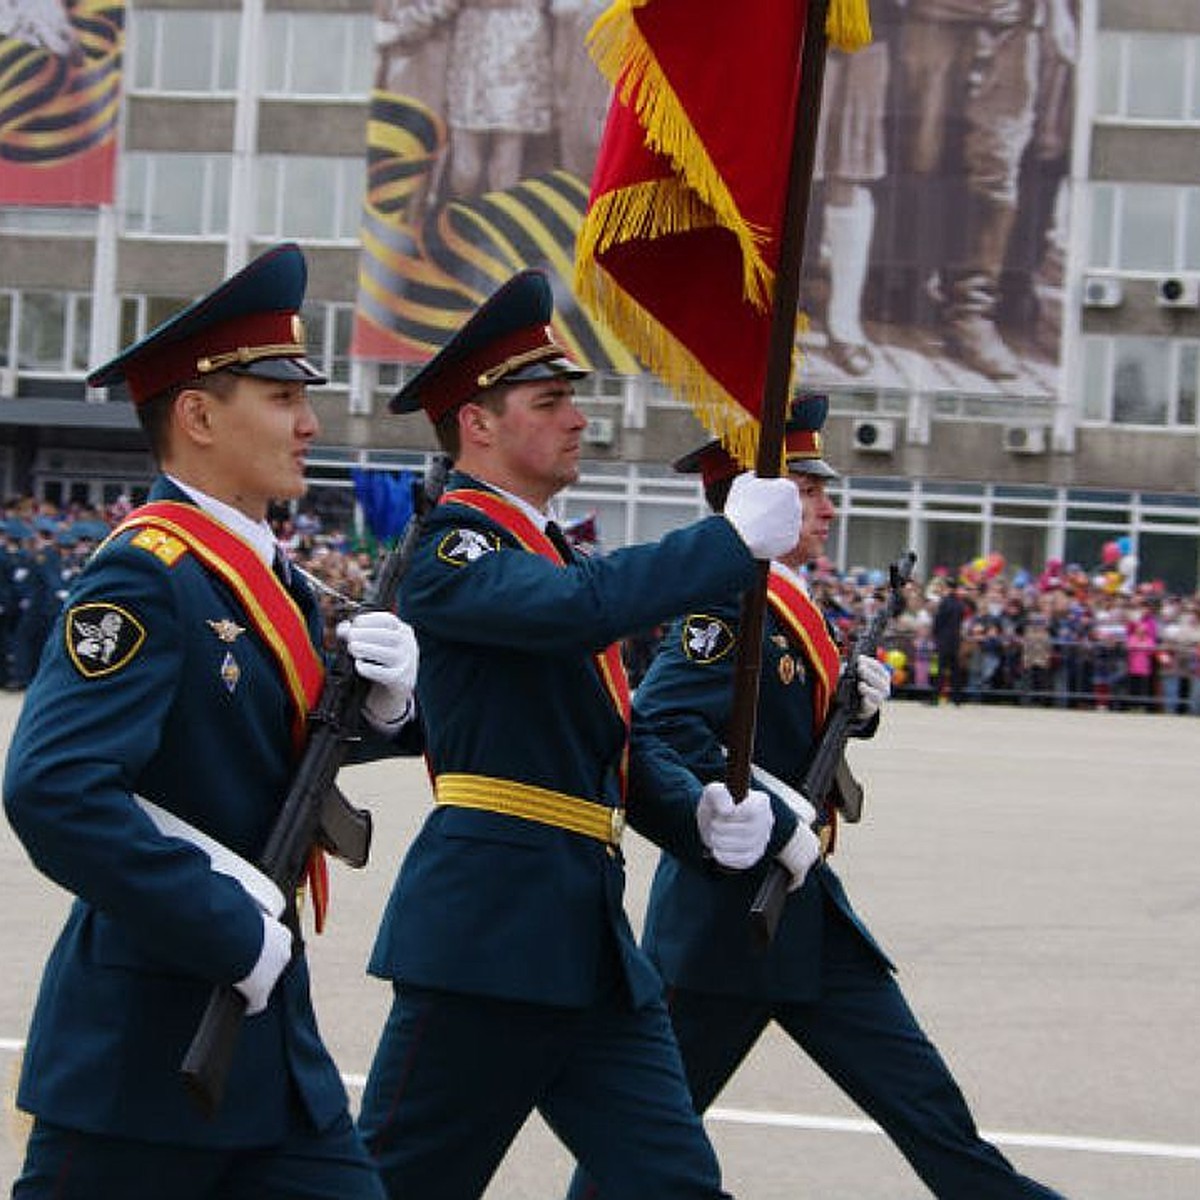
[(936, 231), (60, 85)]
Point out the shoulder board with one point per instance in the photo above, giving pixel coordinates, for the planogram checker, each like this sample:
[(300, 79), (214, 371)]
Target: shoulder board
[(164, 546)]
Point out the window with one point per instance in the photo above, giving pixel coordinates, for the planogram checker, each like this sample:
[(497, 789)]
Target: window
[(52, 332), (184, 51), (1148, 77), (317, 54), (1140, 381), (327, 330), (175, 195), (1144, 227), (309, 198)]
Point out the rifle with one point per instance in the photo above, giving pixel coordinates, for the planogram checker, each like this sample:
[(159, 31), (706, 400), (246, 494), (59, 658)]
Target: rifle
[(315, 812), (828, 778)]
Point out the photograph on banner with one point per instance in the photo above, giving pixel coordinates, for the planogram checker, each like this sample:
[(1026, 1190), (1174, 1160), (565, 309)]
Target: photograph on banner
[(937, 222), (59, 101)]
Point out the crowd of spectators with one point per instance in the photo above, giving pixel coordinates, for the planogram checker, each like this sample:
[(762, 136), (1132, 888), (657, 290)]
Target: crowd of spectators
[(1067, 637)]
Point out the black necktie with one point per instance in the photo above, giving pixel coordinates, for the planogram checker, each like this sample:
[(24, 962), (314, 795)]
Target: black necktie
[(282, 568), (556, 535)]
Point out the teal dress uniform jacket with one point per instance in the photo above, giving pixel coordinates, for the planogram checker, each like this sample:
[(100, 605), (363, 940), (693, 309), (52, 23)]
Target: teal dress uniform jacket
[(696, 922), (145, 689), (496, 905)]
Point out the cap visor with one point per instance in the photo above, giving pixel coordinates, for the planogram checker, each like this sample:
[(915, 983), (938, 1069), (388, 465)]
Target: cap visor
[(811, 466), (550, 368), (286, 370)]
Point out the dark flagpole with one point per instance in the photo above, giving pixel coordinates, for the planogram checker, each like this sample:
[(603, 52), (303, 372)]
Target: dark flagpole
[(776, 389)]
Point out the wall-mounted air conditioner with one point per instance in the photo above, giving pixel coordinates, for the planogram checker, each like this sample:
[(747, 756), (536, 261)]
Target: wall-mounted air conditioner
[(875, 435), (1177, 291), (599, 431), (1100, 291), (1025, 439)]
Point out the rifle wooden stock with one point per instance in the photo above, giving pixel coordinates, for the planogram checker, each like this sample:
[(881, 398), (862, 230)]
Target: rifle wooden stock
[(828, 766), (314, 811)]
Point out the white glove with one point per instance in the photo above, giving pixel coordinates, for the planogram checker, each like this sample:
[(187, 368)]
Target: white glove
[(735, 834), (275, 954), (802, 849), (874, 685), (766, 513), (384, 650)]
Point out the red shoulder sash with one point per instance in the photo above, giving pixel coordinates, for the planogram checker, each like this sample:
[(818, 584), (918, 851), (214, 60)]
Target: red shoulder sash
[(271, 610), (608, 662), (808, 631)]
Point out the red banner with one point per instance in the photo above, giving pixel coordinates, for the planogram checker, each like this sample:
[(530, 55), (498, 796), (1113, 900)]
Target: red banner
[(60, 86), (681, 240)]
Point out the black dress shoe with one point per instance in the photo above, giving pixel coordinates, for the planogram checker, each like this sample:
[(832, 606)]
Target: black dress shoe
[(855, 358)]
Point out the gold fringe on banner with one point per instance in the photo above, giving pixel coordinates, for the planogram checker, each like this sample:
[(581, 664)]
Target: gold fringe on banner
[(698, 197), (848, 24)]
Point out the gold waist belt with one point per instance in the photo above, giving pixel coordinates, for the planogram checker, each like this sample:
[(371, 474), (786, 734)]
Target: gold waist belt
[(532, 803)]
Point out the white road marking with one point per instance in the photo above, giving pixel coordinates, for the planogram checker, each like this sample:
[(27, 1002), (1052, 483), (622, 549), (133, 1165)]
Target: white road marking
[(744, 1116)]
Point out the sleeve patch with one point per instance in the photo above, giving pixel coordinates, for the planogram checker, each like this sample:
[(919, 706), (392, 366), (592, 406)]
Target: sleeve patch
[(460, 547), (706, 639), (162, 545), (102, 638)]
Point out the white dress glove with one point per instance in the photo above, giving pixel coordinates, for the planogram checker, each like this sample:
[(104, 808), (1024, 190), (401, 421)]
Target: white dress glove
[(802, 849), (735, 834), (384, 650), (766, 513), (275, 954), (874, 685)]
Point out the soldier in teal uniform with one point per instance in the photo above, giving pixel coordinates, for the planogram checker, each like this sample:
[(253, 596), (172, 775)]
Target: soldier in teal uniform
[(824, 979), (518, 985), (153, 752)]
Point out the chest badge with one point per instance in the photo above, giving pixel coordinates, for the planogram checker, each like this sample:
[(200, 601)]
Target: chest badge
[(230, 672), (226, 630)]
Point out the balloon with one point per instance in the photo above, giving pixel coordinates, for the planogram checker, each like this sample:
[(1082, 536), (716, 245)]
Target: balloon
[(897, 660), (995, 564), (1110, 553), (1125, 544)]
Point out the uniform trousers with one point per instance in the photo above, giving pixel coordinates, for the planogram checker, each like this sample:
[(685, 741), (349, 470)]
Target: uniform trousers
[(66, 1164), (861, 1032), (456, 1076)]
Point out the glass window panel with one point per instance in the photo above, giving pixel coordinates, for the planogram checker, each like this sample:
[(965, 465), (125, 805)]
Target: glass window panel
[(1140, 381), (177, 199), (873, 542), (42, 333), (1108, 76), (656, 520), (318, 54), (220, 168), (6, 310), (81, 333), (1103, 217), (343, 328), (1156, 77), (228, 29), (1095, 379), (949, 544), (1170, 557), (1147, 232), (187, 52), (1189, 372), (134, 215), (354, 186), (143, 31), (1023, 547), (309, 201), (1191, 226), (1085, 547)]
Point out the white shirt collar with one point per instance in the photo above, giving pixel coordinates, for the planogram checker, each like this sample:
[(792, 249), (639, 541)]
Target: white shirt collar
[(539, 518), (257, 533), (793, 577)]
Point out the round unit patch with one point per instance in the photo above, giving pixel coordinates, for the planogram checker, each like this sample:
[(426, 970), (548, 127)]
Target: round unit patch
[(102, 638), (463, 546), (705, 638)]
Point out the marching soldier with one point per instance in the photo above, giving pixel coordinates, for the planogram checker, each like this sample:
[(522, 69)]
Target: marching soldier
[(517, 982), (153, 751)]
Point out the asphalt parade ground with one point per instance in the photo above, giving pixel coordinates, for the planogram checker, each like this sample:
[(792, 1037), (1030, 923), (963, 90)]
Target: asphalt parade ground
[(1034, 873)]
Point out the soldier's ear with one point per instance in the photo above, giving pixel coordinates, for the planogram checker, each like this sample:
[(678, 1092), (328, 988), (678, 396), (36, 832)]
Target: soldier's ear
[(192, 411)]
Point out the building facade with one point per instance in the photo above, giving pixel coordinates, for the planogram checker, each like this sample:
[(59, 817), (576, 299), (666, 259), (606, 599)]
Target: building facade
[(244, 124)]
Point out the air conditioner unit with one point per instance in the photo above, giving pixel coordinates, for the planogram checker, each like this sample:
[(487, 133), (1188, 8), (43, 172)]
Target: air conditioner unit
[(1178, 292), (8, 381), (1099, 291), (875, 435), (599, 431), (1025, 439)]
